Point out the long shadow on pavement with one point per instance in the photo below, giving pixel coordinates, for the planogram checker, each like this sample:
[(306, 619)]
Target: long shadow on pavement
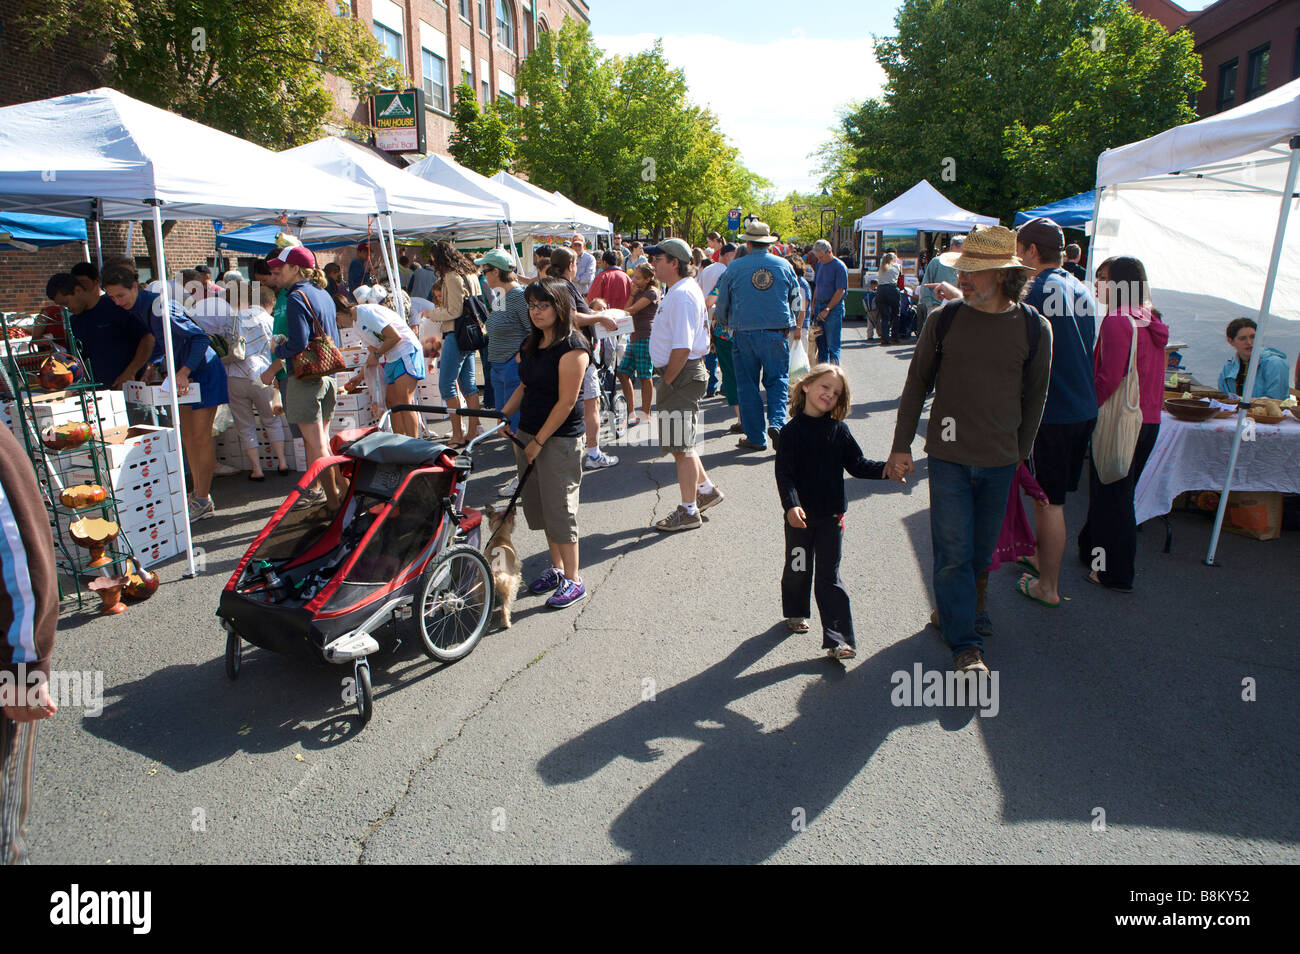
[(733, 799)]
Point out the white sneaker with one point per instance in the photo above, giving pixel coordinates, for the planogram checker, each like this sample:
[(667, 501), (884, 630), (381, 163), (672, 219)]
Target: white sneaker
[(600, 462), (225, 470), (509, 489)]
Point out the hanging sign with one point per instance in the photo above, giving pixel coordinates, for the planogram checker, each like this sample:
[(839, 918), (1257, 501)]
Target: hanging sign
[(398, 118)]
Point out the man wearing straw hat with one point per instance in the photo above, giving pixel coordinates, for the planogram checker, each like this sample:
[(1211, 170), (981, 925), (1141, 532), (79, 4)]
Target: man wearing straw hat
[(996, 358), (758, 297)]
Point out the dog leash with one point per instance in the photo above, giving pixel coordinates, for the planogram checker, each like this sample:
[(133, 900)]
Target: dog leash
[(514, 498)]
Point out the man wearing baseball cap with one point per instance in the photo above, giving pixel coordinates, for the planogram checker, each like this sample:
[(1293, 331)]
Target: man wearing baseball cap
[(359, 271), (679, 340), (1071, 409), (758, 298), (996, 356)]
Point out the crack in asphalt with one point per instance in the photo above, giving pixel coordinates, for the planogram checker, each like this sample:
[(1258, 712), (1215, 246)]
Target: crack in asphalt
[(391, 810)]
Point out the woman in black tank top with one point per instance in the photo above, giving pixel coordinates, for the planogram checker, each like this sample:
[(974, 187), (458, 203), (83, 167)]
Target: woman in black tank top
[(552, 361)]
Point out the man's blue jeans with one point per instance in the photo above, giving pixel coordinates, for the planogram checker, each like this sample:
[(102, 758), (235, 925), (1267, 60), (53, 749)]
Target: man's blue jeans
[(967, 505), (711, 363), (765, 356), (828, 342)]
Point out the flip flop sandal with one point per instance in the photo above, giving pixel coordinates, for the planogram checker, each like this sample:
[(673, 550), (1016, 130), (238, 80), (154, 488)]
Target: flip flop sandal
[(1022, 587), (1028, 567), (797, 625), (845, 652)]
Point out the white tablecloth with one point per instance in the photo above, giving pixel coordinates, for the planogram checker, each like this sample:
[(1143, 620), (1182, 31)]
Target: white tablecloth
[(1195, 457)]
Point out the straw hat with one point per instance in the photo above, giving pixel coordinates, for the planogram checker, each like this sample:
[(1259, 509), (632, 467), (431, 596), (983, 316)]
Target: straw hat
[(759, 233), (987, 247)]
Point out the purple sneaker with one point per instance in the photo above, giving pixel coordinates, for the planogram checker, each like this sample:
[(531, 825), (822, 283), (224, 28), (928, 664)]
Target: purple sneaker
[(548, 581), (570, 592)]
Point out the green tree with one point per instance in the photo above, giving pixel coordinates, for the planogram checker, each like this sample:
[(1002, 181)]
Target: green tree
[(259, 71), (483, 139), (621, 135), (1003, 104)]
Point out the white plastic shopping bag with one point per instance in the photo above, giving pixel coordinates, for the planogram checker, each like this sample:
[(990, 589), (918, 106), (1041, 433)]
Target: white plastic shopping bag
[(798, 361)]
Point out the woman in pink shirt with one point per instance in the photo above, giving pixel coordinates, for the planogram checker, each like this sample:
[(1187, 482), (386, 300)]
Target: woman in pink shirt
[(1108, 540)]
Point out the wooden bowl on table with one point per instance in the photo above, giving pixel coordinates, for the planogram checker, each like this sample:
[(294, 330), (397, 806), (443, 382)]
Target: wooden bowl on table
[(1191, 411)]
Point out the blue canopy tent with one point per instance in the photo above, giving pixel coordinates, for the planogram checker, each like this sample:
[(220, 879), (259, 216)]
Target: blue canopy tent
[(37, 231), (1072, 213), (260, 240)]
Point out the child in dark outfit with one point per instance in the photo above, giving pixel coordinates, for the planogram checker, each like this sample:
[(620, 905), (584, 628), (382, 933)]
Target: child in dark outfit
[(814, 450)]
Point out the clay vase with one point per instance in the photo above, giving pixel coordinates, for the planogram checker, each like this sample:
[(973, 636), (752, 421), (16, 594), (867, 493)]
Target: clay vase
[(140, 584), (109, 589)]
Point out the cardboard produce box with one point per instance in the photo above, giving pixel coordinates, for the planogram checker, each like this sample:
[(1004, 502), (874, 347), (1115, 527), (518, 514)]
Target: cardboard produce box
[(155, 395)]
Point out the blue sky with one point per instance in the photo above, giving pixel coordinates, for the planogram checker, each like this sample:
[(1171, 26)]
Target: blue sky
[(817, 62)]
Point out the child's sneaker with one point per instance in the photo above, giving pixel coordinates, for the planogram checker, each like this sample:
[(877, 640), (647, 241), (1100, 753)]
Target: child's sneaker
[(550, 580), (570, 592)]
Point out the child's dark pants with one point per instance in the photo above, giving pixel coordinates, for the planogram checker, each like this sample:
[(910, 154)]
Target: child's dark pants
[(812, 563)]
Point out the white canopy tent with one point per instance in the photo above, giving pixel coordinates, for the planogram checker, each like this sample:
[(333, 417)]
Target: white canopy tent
[(581, 220), (520, 213), (1205, 207), (410, 204), (921, 208), (101, 154)]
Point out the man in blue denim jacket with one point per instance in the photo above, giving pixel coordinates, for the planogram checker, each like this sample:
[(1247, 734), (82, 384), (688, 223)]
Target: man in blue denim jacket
[(758, 299)]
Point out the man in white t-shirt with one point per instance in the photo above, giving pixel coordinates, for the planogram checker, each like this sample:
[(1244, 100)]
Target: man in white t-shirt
[(679, 340)]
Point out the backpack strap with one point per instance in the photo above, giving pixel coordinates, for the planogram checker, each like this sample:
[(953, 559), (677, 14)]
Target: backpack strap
[(1034, 334), (944, 321)]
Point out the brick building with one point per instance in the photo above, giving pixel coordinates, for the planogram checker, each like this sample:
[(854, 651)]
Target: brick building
[(437, 43), (1247, 47)]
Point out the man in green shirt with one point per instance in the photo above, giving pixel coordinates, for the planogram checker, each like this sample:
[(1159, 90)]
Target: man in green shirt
[(989, 395)]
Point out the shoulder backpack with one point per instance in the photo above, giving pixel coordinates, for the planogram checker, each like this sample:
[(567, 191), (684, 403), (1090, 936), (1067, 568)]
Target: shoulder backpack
[(321, 357), (1033, 331), (470, 331)]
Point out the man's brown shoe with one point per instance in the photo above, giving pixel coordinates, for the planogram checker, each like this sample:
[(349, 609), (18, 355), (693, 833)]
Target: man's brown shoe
[(704, 501), (679, 519), (970, 660)]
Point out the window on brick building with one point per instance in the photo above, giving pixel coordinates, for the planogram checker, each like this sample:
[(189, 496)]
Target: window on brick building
[(1227, 89), (435, 80), (390, 41), (506, 25), (464, 10), (487, 92), (1257, 71), (482, 16)]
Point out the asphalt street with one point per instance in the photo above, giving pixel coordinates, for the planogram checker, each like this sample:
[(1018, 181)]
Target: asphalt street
[(671, 718)]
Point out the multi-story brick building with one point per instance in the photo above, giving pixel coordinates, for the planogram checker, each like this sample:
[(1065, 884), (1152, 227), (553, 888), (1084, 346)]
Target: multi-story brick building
[(437, 43), (440, 44), (1247, 47)]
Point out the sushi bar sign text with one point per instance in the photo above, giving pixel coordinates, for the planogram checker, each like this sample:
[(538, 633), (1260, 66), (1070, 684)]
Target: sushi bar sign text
[(398, 119)]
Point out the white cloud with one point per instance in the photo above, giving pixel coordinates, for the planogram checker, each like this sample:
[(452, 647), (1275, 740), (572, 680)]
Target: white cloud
[(778, 101)]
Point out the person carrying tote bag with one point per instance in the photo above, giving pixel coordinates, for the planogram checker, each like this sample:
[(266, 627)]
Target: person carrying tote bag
[(1128, 368), (1118, 421)]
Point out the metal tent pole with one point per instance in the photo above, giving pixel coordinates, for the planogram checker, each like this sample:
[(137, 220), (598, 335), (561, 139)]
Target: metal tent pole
[(1261, 321), (166, 300), (392, 244)]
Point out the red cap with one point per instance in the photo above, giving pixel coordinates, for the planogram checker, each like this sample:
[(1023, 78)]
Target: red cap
[(293, 255)]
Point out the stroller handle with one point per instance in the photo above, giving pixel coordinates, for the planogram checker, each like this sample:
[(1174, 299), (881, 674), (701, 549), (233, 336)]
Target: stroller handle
[(462, 411)]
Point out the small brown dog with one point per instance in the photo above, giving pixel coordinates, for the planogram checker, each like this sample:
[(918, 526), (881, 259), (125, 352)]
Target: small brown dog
[(502, 558)]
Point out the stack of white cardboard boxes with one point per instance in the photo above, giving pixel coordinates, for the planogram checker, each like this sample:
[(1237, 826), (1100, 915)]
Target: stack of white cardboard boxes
[(135, 469)]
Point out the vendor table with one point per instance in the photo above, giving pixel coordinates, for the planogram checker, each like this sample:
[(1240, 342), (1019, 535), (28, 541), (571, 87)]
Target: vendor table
[(1190, 456)]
